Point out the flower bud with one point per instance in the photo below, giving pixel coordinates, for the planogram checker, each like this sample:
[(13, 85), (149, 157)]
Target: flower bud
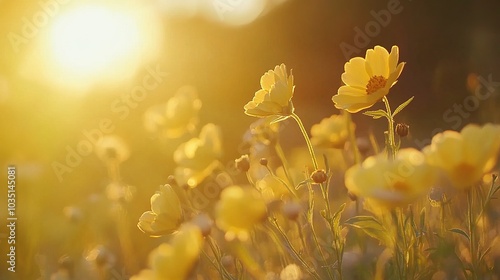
[(319, 176), (242, 163), (402, 129)]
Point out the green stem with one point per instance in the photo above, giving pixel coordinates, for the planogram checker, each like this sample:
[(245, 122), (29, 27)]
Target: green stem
[(390, 142), (296, 254), (216, 252), (472, 236), (308, 141)]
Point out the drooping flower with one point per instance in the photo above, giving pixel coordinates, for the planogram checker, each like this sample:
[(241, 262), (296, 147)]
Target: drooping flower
[(367, 80), (198, 157), (238, 210), (466, 156), (166, 213), (176, 259), (391, 183), (331, 132), (176, 117), (275, 96)]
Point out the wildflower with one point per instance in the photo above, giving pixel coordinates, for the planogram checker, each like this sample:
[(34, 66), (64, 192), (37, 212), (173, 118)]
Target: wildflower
[(101, 257), (291, 272), (274, 98), (165, 215), (367, 80), (391, 183), (242, 163), (466, 156), (176, 117), (238, 210), (402, 129), (176, 259), (111, 148), (198, 157), (331, 132)]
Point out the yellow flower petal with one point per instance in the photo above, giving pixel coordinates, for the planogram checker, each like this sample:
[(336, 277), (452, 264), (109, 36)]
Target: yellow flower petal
[(367, 80)]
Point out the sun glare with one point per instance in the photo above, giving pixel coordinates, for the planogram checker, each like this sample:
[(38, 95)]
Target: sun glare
[(99, 43), (92, 38)]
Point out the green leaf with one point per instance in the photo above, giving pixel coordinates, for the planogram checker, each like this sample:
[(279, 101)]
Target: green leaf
[(372, 227), (422, 219), (279, 119), (377, 114), (305, 182), (337, 215), (402, 106), (484, 254), (461, 232)]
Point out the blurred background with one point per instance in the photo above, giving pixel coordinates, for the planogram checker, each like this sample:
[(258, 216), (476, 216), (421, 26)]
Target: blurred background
[(67, 66)]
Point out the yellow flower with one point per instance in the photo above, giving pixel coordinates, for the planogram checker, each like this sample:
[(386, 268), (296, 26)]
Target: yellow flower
[(165, 215), (331, 132), (391, 183), (274, 98), (198, 157), (176, 259), (367, 80), (178, 116), (466, 156), (238, 210)]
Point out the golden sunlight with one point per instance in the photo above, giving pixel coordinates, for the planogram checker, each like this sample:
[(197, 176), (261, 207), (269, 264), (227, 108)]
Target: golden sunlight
[(95, 44), (91, 39)]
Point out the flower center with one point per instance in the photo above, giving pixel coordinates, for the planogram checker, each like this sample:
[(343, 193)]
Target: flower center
[(375, 83)]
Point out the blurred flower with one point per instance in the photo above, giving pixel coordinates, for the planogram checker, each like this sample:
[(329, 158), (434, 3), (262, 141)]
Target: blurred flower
[(238, 210), (176, 117), (391, 183), (166, 214), (367, 80), (176, 259), (119, 192), (271, 187), (262, 131), (111, 148), (197, 158), (331, 132), (242, 163), (292, 210), (274, 98), (291, 272), (466, 156), (101, 257)]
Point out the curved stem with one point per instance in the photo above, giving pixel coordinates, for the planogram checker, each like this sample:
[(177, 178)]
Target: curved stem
[(390, 142), (306, 137)]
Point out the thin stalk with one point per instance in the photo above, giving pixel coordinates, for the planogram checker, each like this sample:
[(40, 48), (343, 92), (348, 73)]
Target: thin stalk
[(308, 141), (390, 143), (216, 251), (472, 235), (294, 251)]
